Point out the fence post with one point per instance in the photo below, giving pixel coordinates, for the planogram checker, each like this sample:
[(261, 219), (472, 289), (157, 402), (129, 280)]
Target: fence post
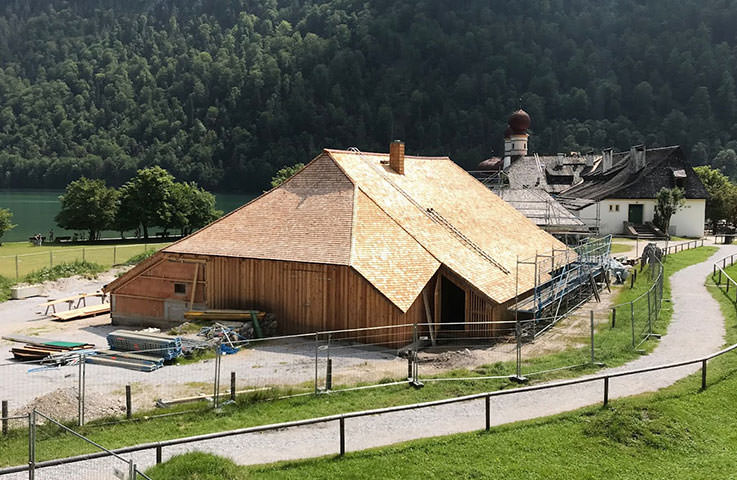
[(632, 318), (17, 277), (317, 344), (232, 386), (84, 257), (329, 375), (591, 316), (131, 470), (606, 391), (4, 414), (128, 405), (649, 311), (115, 255), (158, 454), (614, 317), (81, 390), (487, 400), (216, 386), (518, 332), (342, 436), (32, 445), (409, 366), (51, 258), (703, 375)]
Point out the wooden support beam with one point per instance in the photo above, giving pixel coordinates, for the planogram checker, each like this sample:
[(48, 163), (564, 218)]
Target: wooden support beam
[(428, 315), (194, 284)]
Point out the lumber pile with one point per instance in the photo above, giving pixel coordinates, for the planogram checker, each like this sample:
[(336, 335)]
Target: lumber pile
[(77, 313), (154, 344), (246, 323), (223, 315), (37, 348)]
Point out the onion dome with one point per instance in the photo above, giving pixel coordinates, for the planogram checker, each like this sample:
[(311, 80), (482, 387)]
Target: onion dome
[(519, 122)]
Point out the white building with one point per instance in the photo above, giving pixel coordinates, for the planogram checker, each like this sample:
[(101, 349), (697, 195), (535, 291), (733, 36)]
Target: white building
[(619, 190)]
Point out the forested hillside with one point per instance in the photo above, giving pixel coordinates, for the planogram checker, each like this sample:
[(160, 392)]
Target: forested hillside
[(225, 92)]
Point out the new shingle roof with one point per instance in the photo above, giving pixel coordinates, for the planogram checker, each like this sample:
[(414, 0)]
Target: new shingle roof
[(351, 208)]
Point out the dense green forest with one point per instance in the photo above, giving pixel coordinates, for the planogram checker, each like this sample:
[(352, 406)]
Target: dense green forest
[(226, 92)]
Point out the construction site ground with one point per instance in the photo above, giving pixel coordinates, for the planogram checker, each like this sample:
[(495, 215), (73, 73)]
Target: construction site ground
[(697, 328), (286, 363)]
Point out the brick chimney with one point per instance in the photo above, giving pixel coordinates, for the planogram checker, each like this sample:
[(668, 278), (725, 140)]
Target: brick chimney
[(396, 156)]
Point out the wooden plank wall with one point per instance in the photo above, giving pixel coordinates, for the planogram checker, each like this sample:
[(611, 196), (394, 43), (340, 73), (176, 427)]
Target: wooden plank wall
[(144, 296), (308, 297)]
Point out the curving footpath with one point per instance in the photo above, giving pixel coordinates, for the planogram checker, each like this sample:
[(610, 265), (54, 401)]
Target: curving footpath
[(697, 324)]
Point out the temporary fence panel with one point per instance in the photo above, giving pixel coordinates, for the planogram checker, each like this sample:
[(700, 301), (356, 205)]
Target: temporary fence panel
[(482, 350), (268, 367), (42, 385), (360, 359)]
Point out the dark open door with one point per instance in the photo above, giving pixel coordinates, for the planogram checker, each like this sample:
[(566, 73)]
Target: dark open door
[(634, 214), (453, 305)]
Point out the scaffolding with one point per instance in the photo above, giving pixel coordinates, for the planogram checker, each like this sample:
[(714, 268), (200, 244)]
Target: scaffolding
[(539, 206), (564, 279)]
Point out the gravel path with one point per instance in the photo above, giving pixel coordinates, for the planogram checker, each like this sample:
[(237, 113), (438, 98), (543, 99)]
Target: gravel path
[(697, 324)]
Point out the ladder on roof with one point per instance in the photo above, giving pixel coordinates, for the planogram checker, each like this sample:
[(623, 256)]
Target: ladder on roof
[(434, 215), (437, 217)]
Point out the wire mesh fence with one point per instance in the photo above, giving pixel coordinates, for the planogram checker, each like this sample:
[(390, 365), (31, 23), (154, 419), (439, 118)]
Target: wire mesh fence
[(19, 266), (90, 385), (643, 312)]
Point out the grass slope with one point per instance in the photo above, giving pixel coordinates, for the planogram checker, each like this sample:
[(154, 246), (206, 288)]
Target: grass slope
[(31, 258), (676, 433), (252, 410)]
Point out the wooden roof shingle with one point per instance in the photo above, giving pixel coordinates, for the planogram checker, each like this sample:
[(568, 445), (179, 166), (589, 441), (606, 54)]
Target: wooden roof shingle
[(351, 208)]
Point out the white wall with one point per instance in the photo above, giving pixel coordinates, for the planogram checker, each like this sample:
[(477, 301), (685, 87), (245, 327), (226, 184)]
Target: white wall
[(687, 222)]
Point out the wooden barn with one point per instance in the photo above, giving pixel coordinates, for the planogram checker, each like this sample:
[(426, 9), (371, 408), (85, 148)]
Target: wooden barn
[(352, 240)]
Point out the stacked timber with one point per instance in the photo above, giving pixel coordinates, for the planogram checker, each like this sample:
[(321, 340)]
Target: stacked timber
[(248, 323), (127, 360), (223, 315), (37, 348), (153, 344)]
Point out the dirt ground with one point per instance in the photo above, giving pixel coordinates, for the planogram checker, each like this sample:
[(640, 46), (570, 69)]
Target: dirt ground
[(287, 363)]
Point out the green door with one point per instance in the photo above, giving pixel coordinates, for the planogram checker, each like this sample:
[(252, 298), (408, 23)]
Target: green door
[(634, 215)]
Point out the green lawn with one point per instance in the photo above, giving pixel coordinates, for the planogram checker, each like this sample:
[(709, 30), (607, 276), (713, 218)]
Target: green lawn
[(613, 347), (31, 258), (621, 248), (676, 433)]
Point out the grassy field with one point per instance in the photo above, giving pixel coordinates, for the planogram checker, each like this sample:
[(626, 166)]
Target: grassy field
[(677, 433), (613, 348), (620, 248), (22, 258)]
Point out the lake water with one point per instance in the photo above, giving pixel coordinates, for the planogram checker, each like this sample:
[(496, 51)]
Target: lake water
[(34, 211)]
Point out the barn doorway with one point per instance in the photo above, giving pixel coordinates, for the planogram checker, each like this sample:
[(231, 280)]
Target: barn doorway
[(452, 306)]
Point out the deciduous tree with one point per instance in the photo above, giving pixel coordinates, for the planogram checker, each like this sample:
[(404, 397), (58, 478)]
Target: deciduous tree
[(87, 205)]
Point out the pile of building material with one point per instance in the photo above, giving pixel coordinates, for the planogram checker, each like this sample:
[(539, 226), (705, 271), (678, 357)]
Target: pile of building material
[(246, 323), (223, 315), (37, 348), (77, 313), (153, 344), (130, 361)]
